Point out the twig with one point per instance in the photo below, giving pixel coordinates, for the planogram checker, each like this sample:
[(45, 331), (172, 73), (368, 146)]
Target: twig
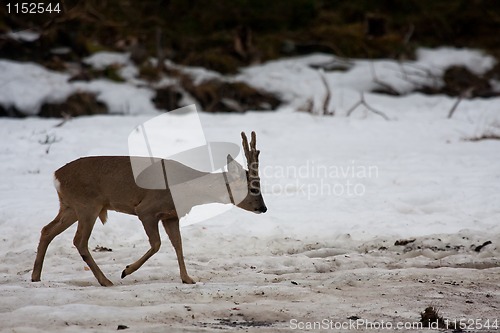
[(159, 49), (409, 34), (426, 73), (387, 86), (49, 140), (307, 107), (328, 95), (403, 70), (362, 101), (465, 94), (66, 118), (354, 107), (454, 107)]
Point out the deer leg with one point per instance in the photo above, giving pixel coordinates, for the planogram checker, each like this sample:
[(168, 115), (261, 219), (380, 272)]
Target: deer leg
[(172, 228), (64, 219), (86, 223), (151, 227)]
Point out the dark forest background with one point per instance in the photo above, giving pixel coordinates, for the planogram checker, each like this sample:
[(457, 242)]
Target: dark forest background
[(226, 34)]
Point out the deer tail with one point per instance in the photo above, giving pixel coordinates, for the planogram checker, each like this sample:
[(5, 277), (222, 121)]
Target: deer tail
[(103, 216)]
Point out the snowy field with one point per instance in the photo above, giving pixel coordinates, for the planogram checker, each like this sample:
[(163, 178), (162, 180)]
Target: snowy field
[(340, 192)]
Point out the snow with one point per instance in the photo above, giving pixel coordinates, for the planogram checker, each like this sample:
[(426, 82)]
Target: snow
[(126, 69), (24, 35), (318, 253), (120, 98), (296, 80), (444, 57), (103, 59), (28, 86)]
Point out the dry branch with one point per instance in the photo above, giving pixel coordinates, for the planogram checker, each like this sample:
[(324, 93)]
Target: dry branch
[(465, 94), (409, 34), (363, 102), (383, 84), (66, 118), (328, 95)]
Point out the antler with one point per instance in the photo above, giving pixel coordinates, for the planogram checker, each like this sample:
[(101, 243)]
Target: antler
[(252, 154)]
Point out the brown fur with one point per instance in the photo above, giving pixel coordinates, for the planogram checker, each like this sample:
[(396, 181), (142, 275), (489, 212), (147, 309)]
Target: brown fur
[(88, 187)]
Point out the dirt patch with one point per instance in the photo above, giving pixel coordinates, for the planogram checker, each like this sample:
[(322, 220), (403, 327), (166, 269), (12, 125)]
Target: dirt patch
[(460, 81), (224, 323), (167, 98), (220, 96), (432, 319), (480, 247), (403, 242), (78, 104), (11, 111)]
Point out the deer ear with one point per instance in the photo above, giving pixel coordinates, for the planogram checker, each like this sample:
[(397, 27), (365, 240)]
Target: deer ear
[(233, 167)]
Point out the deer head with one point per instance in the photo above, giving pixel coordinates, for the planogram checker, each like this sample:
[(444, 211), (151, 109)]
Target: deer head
[(245, 182)]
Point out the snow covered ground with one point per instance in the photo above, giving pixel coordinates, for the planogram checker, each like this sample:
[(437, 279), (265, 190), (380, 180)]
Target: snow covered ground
[(340, 192)]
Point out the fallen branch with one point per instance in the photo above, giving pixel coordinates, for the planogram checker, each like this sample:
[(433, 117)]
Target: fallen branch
[(362, 101)]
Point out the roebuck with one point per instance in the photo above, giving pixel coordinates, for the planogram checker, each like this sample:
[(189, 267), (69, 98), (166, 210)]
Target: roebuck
[(88, 187)]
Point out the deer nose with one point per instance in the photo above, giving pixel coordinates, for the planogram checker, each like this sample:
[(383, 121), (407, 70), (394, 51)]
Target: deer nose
[(263, 209)]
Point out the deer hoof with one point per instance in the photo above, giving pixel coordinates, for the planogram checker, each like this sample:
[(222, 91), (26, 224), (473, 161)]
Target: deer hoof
[(35, 277), (188, 280), (124, 273), (107, 283)]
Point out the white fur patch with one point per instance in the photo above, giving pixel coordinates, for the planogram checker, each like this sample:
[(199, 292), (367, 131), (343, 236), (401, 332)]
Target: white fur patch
[(57, 183)]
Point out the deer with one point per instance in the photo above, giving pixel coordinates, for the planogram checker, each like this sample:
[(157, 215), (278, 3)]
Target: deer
[(90, 186)]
